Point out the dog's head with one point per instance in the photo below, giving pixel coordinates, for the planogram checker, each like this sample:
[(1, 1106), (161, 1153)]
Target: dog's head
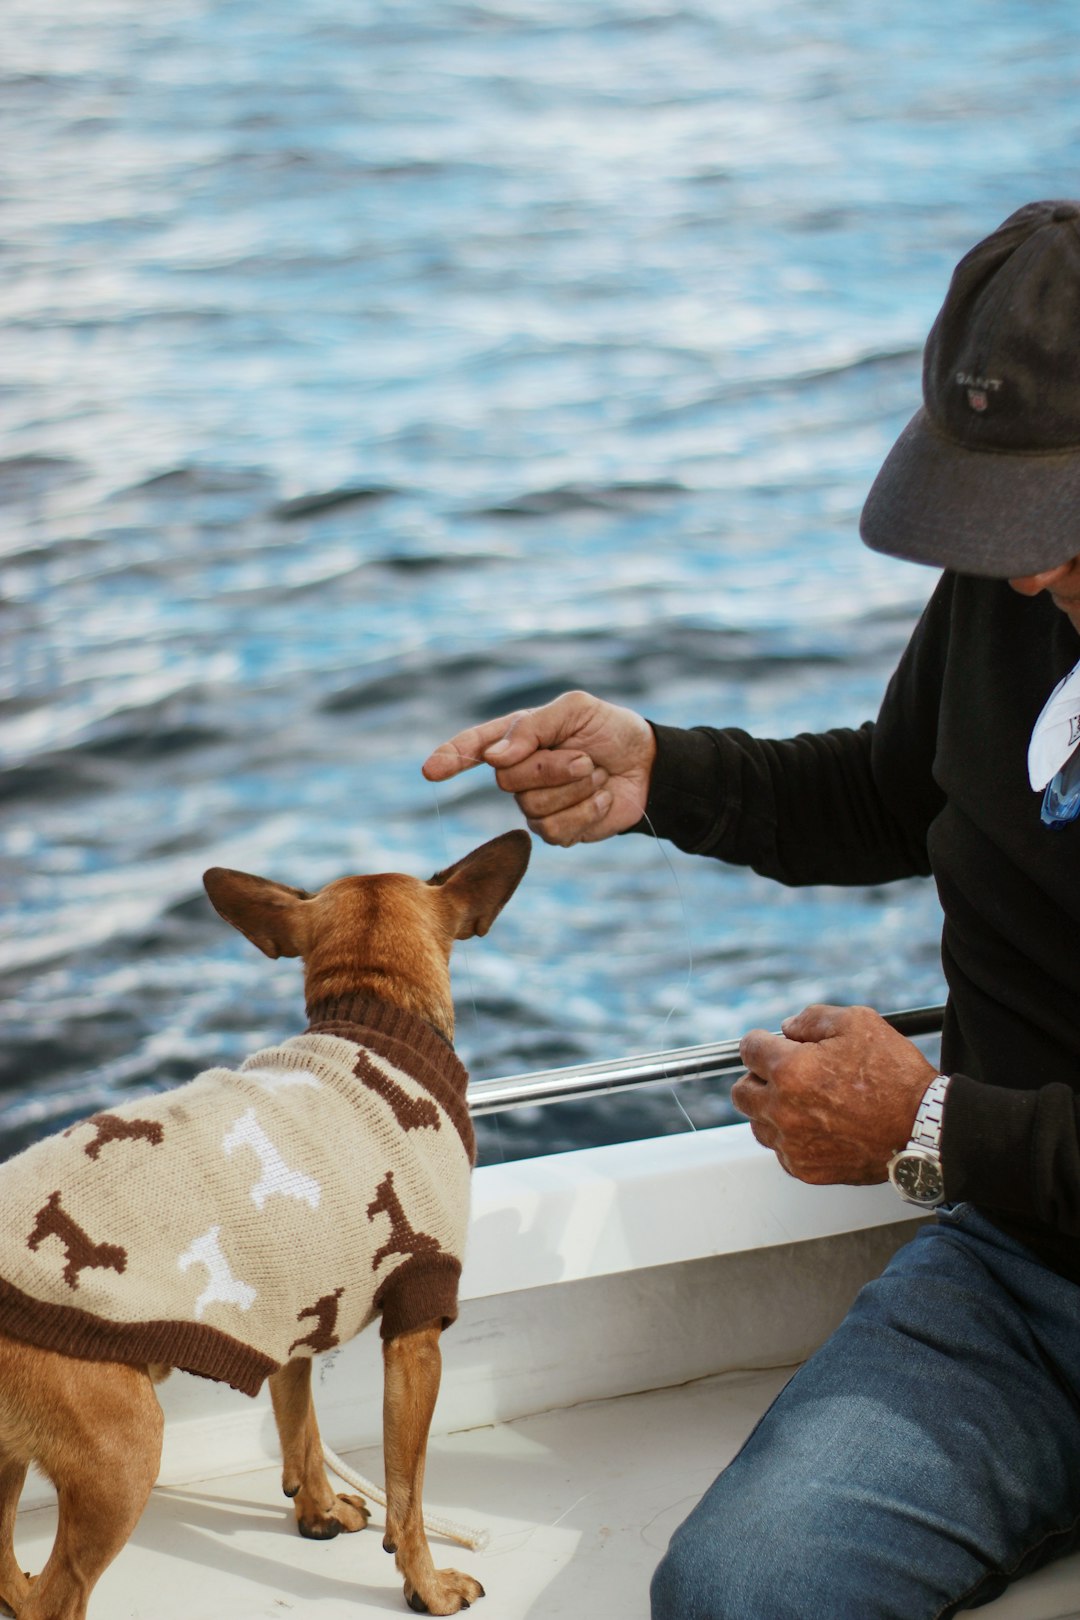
[(386, 934)]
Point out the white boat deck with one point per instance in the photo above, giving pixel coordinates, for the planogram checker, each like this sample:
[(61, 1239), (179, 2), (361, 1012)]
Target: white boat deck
[(580, 1504)]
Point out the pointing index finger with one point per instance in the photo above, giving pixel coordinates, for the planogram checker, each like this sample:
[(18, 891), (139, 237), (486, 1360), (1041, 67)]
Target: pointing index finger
[(465, 750)]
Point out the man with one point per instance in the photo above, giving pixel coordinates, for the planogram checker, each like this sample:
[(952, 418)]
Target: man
[(930, 1451)]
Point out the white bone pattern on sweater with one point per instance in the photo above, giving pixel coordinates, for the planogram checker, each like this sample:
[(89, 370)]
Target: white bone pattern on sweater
[(276, 1176), (222, 1287), (277, 1079), (213, 1282)]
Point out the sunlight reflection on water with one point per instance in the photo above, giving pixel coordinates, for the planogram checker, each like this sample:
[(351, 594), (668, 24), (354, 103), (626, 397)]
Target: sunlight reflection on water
[(372, 370)]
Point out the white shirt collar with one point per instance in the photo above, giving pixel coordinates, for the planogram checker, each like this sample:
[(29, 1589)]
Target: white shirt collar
[(1055, 736)]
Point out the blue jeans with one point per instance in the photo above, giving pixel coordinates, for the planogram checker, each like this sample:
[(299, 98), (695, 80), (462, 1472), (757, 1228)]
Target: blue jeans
[(928, 1454)]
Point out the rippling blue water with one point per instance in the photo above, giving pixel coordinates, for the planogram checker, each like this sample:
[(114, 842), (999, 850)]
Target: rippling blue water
[(367, 369)]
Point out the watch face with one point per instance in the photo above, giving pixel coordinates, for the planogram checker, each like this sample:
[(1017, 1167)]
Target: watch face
[(918, 1177)]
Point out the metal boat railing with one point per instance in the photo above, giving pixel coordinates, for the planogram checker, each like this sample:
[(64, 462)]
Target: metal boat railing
[(718, 1060)]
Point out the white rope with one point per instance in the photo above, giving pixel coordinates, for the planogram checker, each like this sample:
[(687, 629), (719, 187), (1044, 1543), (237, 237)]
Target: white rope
[(475, 1540)]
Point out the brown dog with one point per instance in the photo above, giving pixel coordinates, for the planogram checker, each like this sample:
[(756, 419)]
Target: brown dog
[(241, 1223)]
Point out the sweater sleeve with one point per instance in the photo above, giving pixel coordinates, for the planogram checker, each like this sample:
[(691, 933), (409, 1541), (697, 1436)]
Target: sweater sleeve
[(844, 806), (866, 805), (1012, 1151)]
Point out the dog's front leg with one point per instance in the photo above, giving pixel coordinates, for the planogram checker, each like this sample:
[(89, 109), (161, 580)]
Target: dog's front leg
[(413, 1367), (320, 1514)]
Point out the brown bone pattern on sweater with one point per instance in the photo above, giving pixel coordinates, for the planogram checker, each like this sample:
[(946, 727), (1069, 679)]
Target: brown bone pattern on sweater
[(322, 1336), (403, 1238), (62, 1289), (110, 1128), (411, 1113), (83, 1254)]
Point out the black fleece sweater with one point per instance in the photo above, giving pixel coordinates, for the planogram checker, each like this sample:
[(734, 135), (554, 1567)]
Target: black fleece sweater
[(938, 784)]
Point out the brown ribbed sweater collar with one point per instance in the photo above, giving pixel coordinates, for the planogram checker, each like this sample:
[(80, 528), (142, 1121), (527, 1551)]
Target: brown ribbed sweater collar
[(408, 1042)]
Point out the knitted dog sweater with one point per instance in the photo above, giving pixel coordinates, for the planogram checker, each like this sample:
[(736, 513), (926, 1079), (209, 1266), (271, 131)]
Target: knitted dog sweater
[(254, 1215)]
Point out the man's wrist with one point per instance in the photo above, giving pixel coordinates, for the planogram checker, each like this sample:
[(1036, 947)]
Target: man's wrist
[(916, 1171), (685, 793), (926, 1129)]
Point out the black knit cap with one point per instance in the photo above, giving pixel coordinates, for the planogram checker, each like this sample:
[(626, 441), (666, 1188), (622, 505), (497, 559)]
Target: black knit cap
[(985, 479)]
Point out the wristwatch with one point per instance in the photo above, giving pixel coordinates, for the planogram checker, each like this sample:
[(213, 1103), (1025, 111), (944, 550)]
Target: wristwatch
[(915, 1171)]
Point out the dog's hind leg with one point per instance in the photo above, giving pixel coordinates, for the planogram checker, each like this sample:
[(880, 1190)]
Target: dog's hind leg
[(99, 1440), (14, 1585), (320, 1514), (413, 1367)]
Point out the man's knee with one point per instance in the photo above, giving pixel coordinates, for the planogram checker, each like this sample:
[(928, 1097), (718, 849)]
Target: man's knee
[(673, 1593), (691, 1580), (718, 1569)]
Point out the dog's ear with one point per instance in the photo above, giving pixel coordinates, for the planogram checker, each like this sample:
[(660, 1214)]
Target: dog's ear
[(479, 885), (271, 915)]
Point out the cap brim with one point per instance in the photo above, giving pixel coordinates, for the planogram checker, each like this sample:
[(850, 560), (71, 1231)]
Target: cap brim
[(997, 514)]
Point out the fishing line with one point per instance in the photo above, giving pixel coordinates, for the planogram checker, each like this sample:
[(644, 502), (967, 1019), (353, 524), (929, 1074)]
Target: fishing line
[(463, 1534), (687, 935), (464, 958), (669, 863), (450, 1529), (464, 952)]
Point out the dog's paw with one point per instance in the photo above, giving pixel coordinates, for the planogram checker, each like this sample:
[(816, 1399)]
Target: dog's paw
[(449, 1593), (345, 1513)]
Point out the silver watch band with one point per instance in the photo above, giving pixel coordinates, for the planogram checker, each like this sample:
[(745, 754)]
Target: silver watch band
[(926, 1131)]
